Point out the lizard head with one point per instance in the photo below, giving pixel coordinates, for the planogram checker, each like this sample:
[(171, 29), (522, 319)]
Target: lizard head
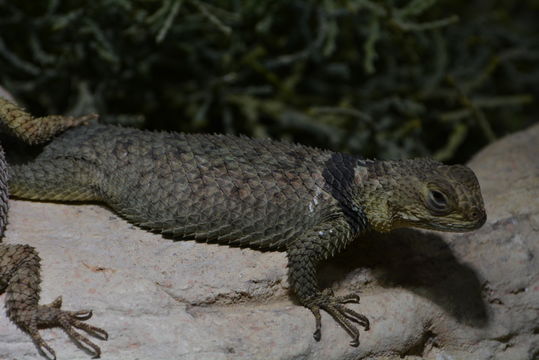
[(428, 194)]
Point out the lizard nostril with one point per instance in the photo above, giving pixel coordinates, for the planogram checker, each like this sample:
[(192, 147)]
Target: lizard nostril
[(475, 214)]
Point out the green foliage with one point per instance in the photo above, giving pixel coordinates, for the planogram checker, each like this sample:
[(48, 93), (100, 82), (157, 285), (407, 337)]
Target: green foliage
[(380, 78)]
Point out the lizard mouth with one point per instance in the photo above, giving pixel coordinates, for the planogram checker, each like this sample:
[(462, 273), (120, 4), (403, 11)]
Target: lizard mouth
[(473, 221), (464, 226)]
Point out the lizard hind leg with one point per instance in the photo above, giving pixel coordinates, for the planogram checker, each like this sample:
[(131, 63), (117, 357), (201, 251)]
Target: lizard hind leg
[(19, 271), (62, 179)]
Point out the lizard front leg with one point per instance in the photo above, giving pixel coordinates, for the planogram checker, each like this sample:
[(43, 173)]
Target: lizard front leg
[(303, 257)]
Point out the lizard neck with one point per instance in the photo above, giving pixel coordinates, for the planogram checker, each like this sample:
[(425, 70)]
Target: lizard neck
[(365, 190), (340, 181), (377, 182)]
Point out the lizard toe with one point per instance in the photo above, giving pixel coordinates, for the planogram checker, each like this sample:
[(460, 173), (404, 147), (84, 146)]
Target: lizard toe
[(344, 316)]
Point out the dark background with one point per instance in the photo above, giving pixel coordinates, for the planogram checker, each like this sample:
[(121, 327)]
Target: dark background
[(386, 79)]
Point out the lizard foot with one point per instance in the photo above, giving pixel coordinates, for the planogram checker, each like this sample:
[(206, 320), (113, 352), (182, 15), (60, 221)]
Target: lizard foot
[(333, 305), (50, 315)]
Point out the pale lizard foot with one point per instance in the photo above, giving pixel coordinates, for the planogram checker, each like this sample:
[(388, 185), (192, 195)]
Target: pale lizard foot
[(50, 315), (333, 305)]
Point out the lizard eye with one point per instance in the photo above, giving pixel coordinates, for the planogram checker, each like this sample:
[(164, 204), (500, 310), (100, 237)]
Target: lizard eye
[(437, 202)]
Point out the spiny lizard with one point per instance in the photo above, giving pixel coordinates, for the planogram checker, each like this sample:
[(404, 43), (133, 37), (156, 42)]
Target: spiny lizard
[(261, 194)]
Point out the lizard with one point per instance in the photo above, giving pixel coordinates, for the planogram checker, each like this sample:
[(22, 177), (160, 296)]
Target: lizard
[(257, 193)]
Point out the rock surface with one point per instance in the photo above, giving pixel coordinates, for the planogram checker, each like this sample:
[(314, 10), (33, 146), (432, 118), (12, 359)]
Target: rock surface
[(428, 295)]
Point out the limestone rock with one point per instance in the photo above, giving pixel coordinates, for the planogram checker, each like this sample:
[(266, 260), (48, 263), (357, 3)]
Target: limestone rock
[(428, 295)]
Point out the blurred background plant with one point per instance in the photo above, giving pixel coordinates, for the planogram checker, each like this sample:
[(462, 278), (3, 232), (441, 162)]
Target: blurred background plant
[(387, 79)]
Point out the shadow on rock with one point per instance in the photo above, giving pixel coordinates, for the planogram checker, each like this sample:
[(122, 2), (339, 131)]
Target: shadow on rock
[(420, 262)]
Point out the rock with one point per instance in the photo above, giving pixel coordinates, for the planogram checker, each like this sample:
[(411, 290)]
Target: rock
[(428, 295)]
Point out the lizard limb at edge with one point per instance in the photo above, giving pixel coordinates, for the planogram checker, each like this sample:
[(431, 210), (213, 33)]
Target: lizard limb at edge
[(20, 264)]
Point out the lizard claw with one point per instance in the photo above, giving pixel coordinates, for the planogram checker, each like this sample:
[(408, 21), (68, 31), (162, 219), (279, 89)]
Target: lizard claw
[(50, 315), (333, 305)]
